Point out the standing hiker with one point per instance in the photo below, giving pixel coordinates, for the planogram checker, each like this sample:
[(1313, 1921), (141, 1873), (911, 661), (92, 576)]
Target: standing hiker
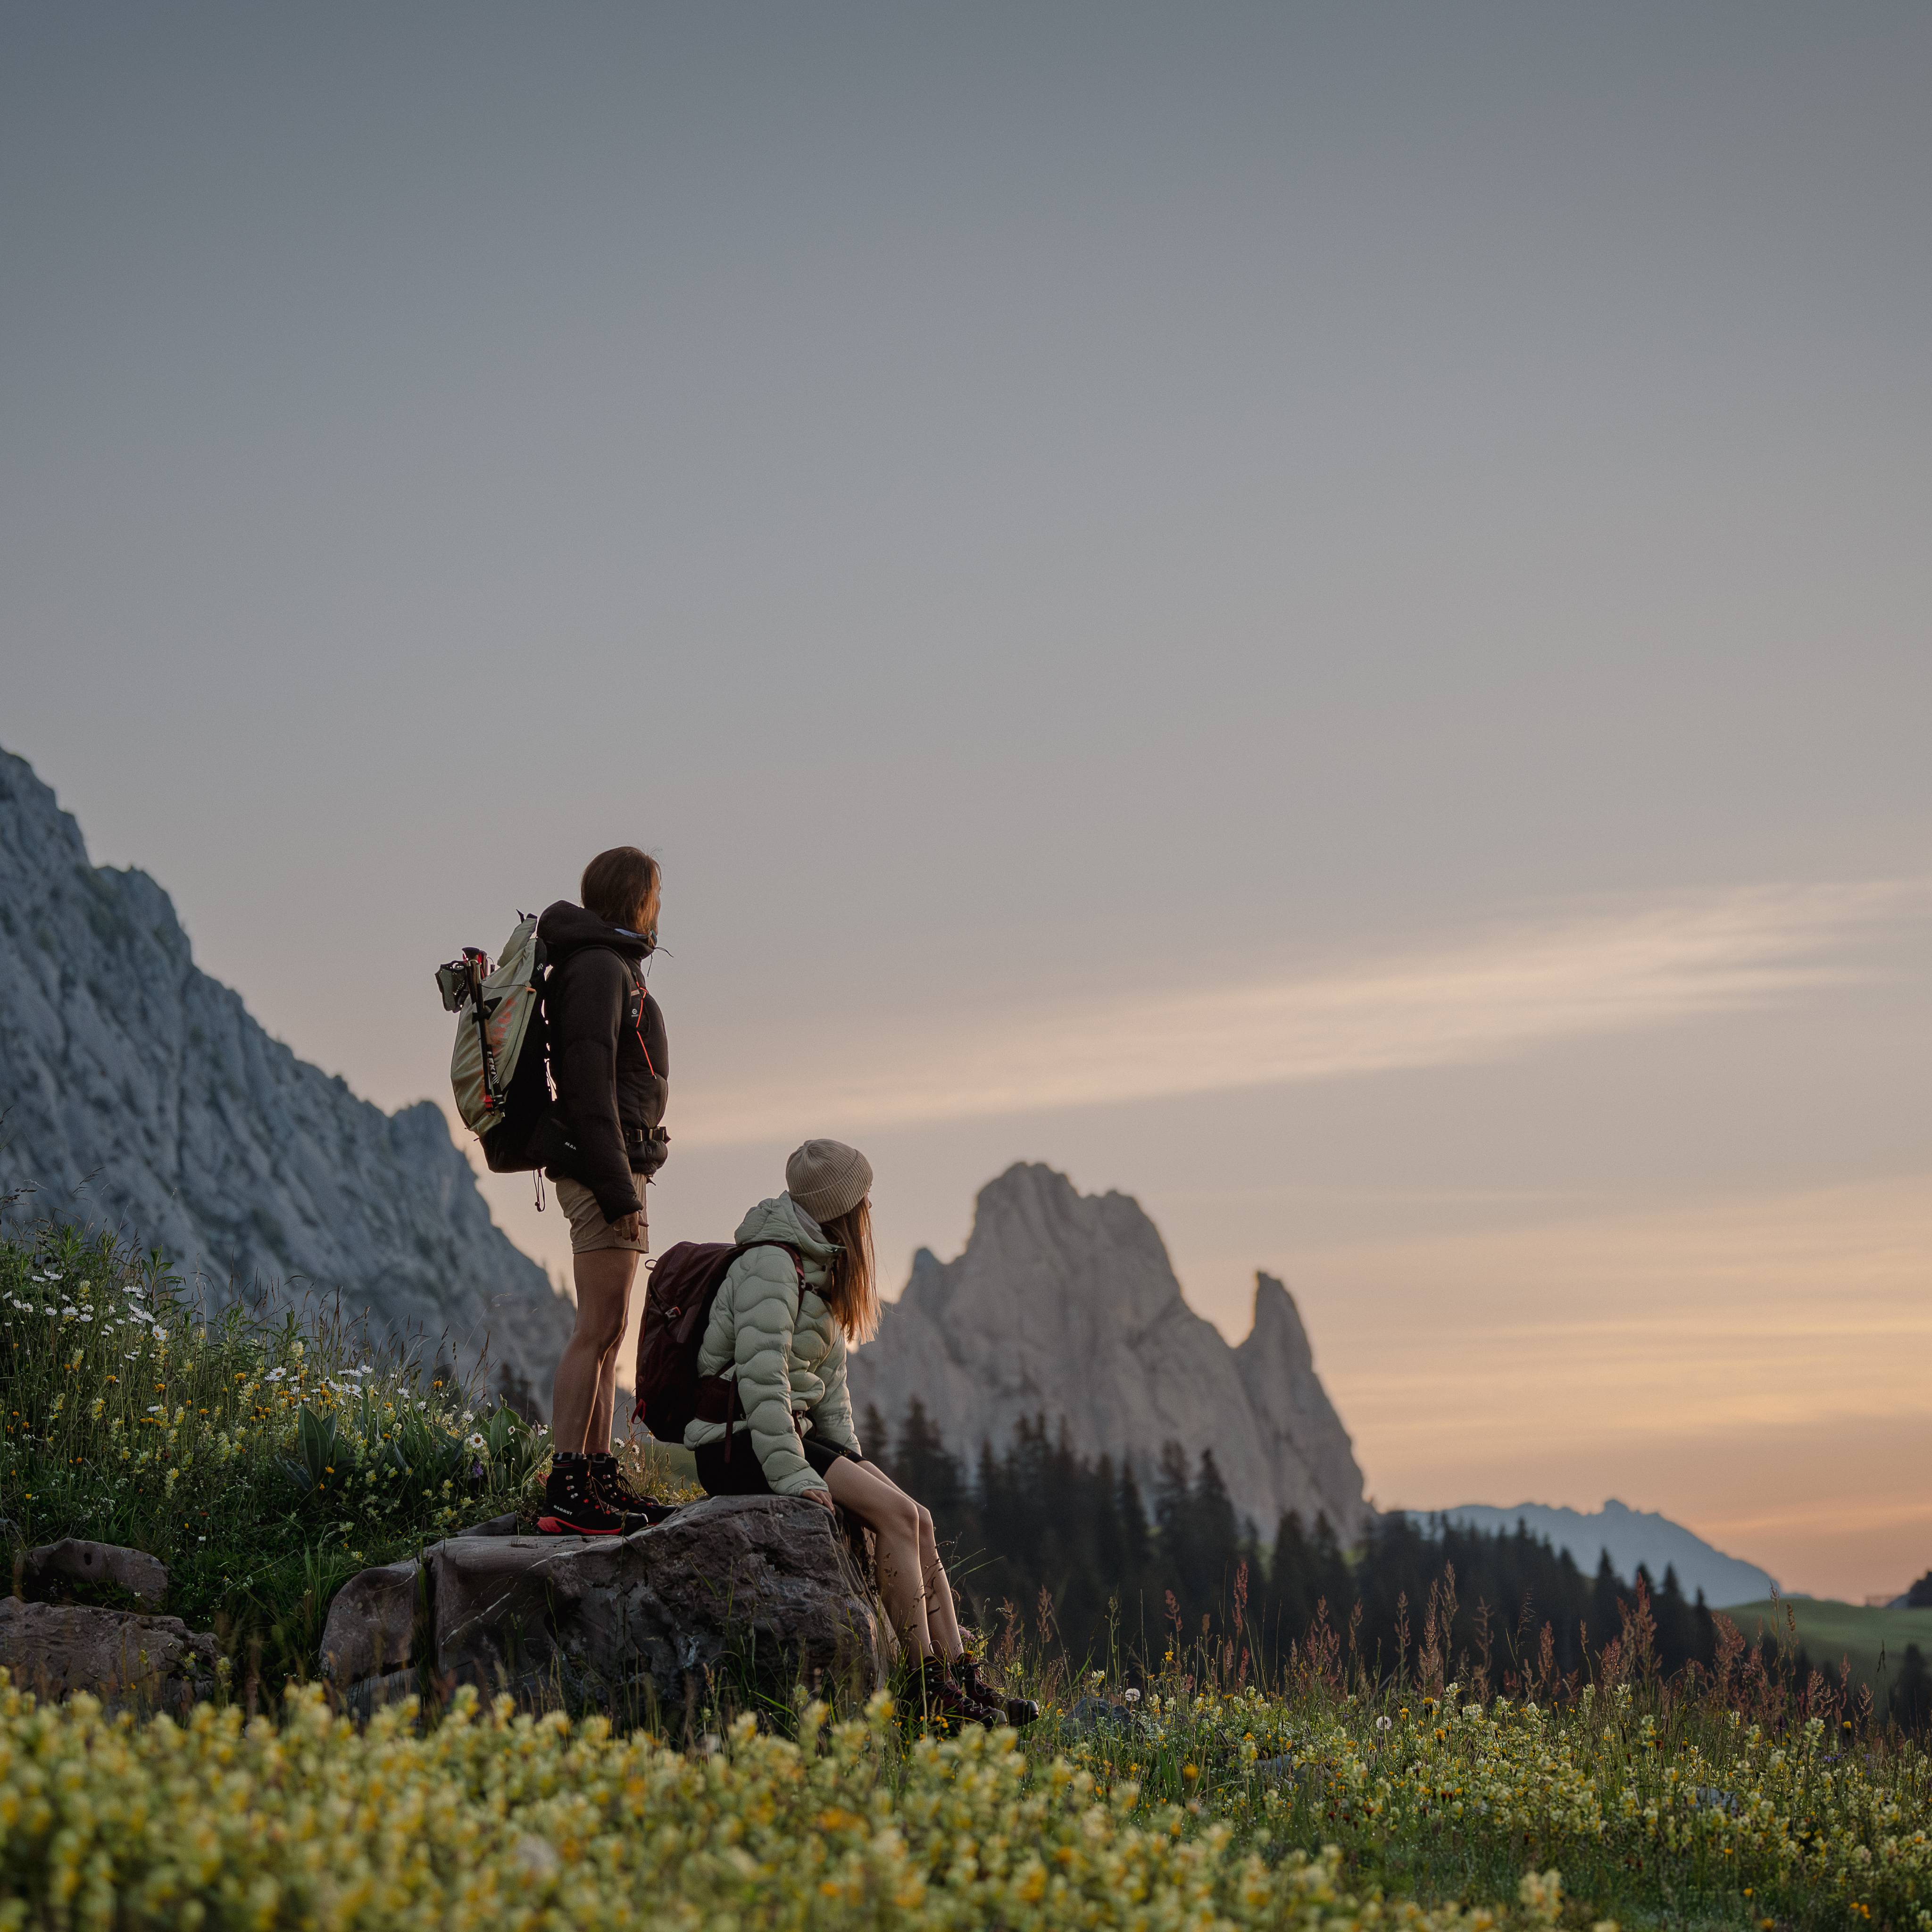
[(604, 1139)]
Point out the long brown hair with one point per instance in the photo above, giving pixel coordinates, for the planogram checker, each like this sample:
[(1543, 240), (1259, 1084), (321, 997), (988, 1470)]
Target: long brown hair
[(853, 1293), (623, 885)]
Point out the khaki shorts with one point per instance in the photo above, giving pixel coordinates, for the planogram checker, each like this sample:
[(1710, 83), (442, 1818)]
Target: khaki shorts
[(589, 1230)]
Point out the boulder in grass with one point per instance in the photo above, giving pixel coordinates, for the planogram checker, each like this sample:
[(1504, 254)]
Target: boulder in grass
[(72, 1562), (372, 1623), (365, 1699), (760, 1590), (118, 1656)]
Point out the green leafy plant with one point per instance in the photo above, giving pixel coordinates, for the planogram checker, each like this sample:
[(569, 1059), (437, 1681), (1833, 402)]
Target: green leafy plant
[(263, 1454)]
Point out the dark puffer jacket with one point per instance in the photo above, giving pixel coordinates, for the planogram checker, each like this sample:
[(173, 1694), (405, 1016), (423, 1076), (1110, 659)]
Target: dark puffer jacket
[(609, 1059)]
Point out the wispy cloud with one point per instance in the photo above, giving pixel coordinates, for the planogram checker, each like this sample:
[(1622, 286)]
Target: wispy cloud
[(1572, 974)]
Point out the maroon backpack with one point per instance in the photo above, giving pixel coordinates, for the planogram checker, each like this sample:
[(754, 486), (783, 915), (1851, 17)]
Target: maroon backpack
[(677, 1306)]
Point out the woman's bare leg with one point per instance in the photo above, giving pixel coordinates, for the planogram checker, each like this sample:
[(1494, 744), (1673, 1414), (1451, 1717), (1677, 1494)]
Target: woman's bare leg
[(603, 1409), (603, 1293), (942, 1619), (893, 1518), (940, 1616)]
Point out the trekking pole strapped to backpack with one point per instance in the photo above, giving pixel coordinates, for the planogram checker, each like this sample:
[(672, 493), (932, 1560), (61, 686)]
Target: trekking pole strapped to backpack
[(498, 1068), (462, 984)]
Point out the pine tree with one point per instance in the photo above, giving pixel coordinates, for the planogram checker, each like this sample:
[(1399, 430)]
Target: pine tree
[(1173, 1529), (1912, 1695), (1607, 1594), (1287, 1605), (1214, 1539)]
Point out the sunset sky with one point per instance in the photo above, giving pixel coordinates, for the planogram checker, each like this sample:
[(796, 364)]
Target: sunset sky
[(1316, 614)]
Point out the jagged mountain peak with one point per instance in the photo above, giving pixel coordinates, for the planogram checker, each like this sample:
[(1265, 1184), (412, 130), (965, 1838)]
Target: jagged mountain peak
[(1066, 1305), (141, 1094), (1035, 1232), (1277, 1323), (28, 802)]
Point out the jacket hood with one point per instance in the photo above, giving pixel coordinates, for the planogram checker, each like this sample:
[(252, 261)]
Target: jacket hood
[(781, 1219), (565, 928)]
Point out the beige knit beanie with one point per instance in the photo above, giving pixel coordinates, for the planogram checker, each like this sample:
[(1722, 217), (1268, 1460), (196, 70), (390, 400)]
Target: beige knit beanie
[(827, 1179)]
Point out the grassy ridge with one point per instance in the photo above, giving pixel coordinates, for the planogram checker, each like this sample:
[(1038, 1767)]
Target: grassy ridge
[(1831, 1632)]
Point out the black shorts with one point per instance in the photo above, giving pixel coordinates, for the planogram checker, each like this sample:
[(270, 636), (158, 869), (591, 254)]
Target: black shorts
[(744, 1474)]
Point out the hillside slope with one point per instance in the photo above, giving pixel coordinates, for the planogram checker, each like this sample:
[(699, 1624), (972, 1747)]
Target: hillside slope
[(140, 1094), (1631, 1536), (1868, 1638)]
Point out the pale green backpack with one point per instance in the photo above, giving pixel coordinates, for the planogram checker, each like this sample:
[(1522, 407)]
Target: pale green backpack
[(499, 1066)]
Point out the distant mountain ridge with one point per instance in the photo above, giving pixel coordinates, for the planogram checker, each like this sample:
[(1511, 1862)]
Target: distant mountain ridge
[(1065, 1305), (138, 1092), (1632, 1537)]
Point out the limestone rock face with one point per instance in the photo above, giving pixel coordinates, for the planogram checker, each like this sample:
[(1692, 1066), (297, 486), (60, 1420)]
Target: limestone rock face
[(129, 1075), (1065, 1305), (760, 1585), (1299, 1429)]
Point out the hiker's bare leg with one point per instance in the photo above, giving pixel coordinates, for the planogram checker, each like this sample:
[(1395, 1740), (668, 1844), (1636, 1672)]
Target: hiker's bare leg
[(603, 1278), (940, 1617), (892, 1517), (603, 1410)]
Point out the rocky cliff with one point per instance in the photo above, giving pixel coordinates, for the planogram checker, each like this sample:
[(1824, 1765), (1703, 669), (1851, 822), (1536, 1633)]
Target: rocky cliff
[(1065, 1305), (138, 1093)]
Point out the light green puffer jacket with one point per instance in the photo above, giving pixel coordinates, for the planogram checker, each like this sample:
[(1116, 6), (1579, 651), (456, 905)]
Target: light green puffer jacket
[(784, 1349)]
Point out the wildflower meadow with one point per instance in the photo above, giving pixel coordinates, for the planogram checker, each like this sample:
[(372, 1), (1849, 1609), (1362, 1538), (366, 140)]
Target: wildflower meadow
[(266, 1457)]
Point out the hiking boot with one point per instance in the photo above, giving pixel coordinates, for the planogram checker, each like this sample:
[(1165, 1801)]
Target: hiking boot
[(1021, 1712), (607, 1484), (571, 1506), (933, 1695)]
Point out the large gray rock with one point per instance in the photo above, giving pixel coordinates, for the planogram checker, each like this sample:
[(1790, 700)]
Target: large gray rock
[(125, 1068), (761, 1588), (1065, 1305), (371, 1627), (73, 1561), (55, 1649)]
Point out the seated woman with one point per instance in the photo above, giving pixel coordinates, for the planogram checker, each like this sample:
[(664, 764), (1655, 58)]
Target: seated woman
[(773, 1368)]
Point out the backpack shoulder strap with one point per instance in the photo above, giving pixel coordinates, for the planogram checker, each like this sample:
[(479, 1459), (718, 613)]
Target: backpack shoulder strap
[(797, 1259), (633, 1018)]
